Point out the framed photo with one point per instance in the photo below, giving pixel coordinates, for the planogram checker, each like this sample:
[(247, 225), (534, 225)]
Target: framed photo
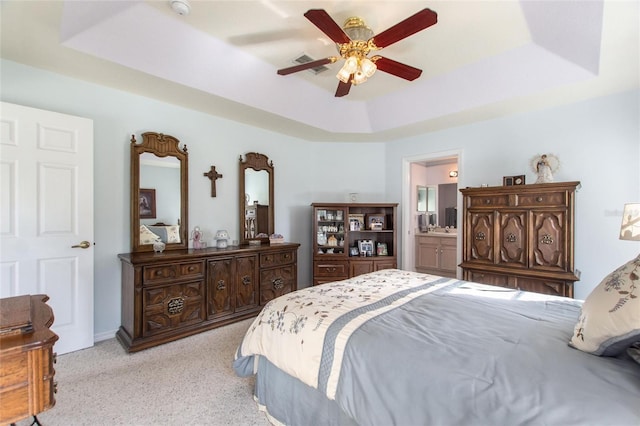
[(375, 222), (147, 200), (513, 180), (353, 251), (365, 247), (381, 249), (356, 222)]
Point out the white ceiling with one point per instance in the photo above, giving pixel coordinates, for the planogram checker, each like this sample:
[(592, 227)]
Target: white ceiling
[(483, 59)]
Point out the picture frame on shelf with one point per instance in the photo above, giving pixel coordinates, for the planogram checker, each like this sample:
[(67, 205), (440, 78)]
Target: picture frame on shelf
[(353, 251), (365, 247), (356, 222), (381, 249), (147, 200), (513, 180), (322, 214), (375, 222)]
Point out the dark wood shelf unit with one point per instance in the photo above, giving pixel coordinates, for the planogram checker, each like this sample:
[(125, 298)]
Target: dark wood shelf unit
[(333, 238)]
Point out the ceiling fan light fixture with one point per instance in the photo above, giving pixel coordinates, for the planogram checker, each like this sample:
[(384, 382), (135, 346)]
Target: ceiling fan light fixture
[(359, 77), (343, 75), (368, 67)]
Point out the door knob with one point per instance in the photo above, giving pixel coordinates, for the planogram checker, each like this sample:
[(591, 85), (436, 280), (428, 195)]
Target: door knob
[(84, 245)]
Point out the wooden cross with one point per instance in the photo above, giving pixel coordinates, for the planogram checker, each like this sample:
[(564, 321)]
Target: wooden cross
[(213, 176)]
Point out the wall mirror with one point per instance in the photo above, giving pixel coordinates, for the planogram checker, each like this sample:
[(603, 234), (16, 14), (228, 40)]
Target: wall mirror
[(159, 192), (256, 205)]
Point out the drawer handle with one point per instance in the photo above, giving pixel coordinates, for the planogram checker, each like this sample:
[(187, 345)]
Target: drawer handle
[(480, 236), (511, 238), (278, 283), (161, 273), (175, 305), (221, 285), (191, 268), (547, 239), (539, 199), (487, 201), (287, 256), (246, 280)]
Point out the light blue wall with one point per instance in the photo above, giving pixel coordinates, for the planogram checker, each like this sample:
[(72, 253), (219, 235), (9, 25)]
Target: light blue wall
[(597, 142)]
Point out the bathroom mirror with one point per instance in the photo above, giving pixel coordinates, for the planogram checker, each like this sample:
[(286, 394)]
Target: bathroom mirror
[(421, 198), (159, 192), (256, 206), (426, 198)]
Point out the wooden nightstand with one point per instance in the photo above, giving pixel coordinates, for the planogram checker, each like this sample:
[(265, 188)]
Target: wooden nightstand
[(26, 358)]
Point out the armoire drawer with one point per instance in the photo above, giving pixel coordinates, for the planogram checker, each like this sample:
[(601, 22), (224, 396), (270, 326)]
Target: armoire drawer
[(556, 198), (500, 200)]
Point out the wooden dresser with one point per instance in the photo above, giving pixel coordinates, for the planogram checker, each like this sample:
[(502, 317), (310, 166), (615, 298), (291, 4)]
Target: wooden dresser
[(521, 236), (177, 293), (26, 357)]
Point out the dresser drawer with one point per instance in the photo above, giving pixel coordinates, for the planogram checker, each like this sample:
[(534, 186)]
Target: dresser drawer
[(169, 307), (488, 200), (277, 258), (557, 198), (173, 271), (14, 370)]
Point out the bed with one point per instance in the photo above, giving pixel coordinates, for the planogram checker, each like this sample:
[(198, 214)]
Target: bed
[(403, 348)]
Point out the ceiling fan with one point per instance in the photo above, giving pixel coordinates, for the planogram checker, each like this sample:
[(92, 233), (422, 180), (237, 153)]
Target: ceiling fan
[(354, 42)]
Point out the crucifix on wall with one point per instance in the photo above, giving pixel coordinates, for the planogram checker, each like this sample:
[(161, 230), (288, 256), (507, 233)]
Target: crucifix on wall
[(213, 176)]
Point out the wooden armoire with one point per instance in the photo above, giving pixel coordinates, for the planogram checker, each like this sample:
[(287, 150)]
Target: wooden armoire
[(520, 236)]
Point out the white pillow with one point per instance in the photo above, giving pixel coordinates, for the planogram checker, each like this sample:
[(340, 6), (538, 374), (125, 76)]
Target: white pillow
[(146, 236), (610, 319), (167, 233)]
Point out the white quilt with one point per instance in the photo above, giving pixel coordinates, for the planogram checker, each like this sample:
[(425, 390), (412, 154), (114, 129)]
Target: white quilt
[(305, 333)]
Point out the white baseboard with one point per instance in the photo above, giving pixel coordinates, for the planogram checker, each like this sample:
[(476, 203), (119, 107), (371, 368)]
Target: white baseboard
[(104, 336)]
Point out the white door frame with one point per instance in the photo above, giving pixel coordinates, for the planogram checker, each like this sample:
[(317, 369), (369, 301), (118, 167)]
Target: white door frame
[(408, 251)]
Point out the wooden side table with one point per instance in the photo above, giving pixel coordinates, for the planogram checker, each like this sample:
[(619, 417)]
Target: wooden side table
[(26, 358)]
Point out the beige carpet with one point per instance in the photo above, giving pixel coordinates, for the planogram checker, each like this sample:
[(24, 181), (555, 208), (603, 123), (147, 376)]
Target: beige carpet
[(187, 382)]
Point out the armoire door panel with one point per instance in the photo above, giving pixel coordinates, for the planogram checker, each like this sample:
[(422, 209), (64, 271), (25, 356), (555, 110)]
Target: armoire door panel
[(481, 247), (512, 238), (549, 250)]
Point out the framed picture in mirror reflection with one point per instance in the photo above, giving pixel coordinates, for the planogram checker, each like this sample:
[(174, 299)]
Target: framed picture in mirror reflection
[(147, 201)]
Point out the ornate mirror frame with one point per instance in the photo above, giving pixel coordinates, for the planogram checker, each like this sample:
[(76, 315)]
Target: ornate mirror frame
[(258, 162), (162, 146)]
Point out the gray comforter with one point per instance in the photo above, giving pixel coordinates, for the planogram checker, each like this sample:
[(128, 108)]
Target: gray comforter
[(458, 354)]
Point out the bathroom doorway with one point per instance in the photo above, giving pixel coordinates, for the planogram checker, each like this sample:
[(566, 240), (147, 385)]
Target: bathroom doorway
[(440, 170)]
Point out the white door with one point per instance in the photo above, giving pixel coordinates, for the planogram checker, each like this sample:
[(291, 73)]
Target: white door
[(46, 178)]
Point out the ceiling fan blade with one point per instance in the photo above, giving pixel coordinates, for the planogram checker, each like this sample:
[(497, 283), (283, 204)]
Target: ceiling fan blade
[(397, 68), (418, 22), (343, 89), (321, 19), (307, 65)]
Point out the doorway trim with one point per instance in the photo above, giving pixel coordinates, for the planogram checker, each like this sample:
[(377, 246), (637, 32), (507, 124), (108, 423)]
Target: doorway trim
[(408, 252)]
